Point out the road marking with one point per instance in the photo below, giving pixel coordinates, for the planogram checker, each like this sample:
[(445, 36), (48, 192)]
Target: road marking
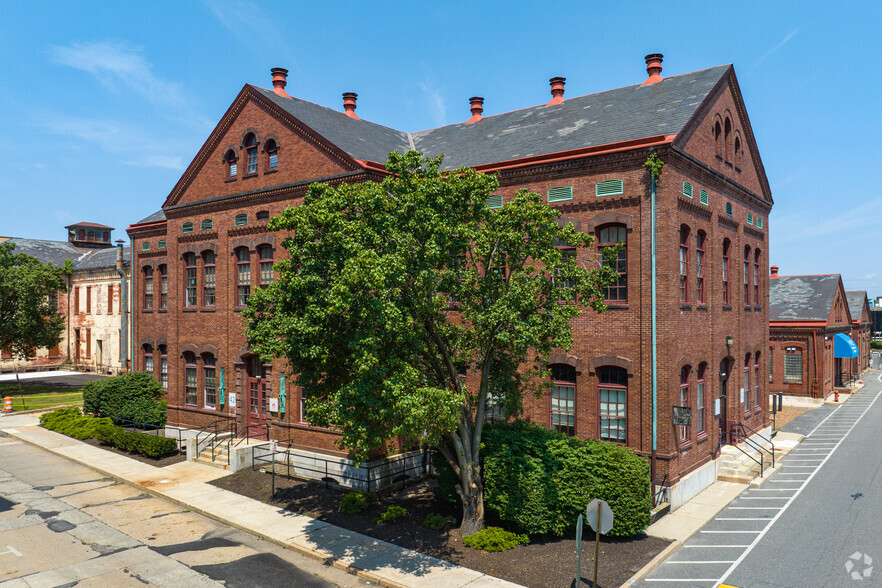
[(763, 497), (720, 561), (677, 580), (12, 550), (712, 546), (718, 532), (741, 519), (754, 507), (804, 484)]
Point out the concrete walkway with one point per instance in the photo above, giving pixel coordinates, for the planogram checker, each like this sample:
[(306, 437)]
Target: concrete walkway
[(186, 484)]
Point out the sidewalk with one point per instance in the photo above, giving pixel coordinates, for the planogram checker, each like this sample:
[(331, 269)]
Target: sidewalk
[(186, 484)]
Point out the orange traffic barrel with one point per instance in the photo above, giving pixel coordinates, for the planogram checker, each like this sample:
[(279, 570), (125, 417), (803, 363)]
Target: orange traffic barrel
[(7, 404)]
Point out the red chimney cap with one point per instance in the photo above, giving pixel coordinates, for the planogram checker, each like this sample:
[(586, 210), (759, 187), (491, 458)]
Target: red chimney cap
[(653, 68), (774, 270), (349, 99), (557, 90), (477, 108), (280, 80)]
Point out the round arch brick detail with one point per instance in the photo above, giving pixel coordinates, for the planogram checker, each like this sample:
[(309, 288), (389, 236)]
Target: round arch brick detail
[(613, 360)]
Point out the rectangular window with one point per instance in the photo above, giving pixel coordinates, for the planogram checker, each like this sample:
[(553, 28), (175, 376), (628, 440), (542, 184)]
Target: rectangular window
[(190, 269), (148, 362), (563, 409), (563, 283), (684, 401), (266, 265), (610, 237), (699, 407), (746, 388), (109, 298), (243, 282), (210, 380), (612, 414), (756, 378), (726, 272), (163, 287), (684, 267), (88, 343), (190, 385), (88, 299), (756, 298), (771, 355), (793, 364), (304, 415), (699, 267), (208, 283), (163, 369), (148, 288), (252, 160), (77, 300), (746, 282)]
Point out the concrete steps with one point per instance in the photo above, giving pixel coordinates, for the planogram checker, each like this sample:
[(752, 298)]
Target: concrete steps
[(217, 456), (737, 466)]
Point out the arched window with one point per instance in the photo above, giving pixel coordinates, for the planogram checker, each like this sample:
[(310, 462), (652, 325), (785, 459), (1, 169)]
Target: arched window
[(685, 372), (684, 264), (265, 253), (190, 279), (611, 236), (208, 281), (756, 379), (230, 160), (563, 399), (250, 145), (699, 400), (272, 154), (738, 152), (148, 358), (747, 365), (163, 286), (148, 288), (191, 385), (726, 245), (746, 275), (243, 273), (699, 267), (727, 138), (163, 366), (718, 139), (756, 278), (209, 381), (612, 388)]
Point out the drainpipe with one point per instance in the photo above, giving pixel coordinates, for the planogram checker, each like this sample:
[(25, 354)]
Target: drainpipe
[(654, 330), (815, 351), (123, 306)]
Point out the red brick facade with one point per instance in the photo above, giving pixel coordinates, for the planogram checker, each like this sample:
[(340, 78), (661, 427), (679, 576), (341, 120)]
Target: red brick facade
[(692, 334)]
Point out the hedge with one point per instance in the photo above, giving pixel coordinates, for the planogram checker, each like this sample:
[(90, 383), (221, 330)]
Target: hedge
[(136, 396), (541, 480), (141, 443), (71, 422)]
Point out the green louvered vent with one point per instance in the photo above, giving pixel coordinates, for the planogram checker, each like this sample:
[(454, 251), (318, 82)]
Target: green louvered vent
[(687, 189), (187, 228), (749, 218), (759, 222), (702, 197), (240, 220), (207, 225), (145, 246), (609, 188), (495, 200), (729, 208), (560, 193), (161, 244)]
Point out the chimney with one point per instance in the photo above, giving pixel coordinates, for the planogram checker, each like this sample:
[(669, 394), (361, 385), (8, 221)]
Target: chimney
[(349, 99), (477, 108), (280, 80), (557, 90), (653, 68), (774, 273)]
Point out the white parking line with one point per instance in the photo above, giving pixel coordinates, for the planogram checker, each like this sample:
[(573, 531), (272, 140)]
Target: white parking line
[(712, 546), (754, 507), (719, 561), (718, 532), (12, 550), (741, 519)]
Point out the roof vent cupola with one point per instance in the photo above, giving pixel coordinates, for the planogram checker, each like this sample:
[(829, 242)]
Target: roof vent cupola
[(653, 68), (774, 270), (557, 90), (280, 80), (477, 108), (349, 99)]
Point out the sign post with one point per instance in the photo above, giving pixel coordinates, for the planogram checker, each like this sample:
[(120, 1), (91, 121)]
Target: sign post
[(600, 519), (579, 548)]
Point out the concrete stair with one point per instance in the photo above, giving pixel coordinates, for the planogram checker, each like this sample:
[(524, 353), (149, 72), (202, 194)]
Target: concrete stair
[(217, 456), (737, 466)]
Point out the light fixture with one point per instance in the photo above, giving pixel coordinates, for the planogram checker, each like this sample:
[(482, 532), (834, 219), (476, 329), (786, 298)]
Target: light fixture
[(729, 340)]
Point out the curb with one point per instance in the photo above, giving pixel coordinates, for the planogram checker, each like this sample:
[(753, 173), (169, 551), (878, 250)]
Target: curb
[(654, 563)]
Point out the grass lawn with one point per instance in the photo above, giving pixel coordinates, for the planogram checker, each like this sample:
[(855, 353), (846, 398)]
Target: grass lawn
[(37, 396)]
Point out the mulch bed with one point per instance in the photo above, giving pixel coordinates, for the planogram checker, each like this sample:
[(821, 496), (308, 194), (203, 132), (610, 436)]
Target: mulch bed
[(160, 463), (542, 563)]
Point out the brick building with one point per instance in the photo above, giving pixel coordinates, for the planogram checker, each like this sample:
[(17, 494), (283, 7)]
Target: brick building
[(810, 327), (198, 257), (94, 306), (859, 309)]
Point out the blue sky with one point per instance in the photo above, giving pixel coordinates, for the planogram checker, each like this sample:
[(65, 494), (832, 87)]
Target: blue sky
[(105, 103)]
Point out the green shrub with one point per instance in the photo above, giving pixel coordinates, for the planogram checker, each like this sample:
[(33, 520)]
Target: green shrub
[(152, 446), (875, 344), (136, 396), (69, 421), (494, 539), (447, 480), (391, 514), (541, 480), (435, 521), (355, 502)]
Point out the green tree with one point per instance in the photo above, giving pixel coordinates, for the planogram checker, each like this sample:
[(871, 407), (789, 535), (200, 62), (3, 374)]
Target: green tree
[(395, 290), (29, 317)]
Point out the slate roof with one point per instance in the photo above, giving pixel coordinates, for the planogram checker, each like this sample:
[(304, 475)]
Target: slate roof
[(632, 112), (91, 225), (98, 258), (802, 298), (57, 252), (159, 215), (856, 300)]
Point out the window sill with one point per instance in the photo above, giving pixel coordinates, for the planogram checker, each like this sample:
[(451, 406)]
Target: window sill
[(757, 309), (748, 308), (228, 180), (189, 309), (684, 306), (719, 157), (162, 310), (701, 438), (738, 169), (685, 445), (729, 164), (207, 309), (146, 310), (727, 307), (616, 305), (251, 175), (701, 307), (270, 171), (239, 308)]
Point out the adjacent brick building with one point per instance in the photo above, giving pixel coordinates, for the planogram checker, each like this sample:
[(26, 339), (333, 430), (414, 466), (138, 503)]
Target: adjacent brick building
[(861, 325), (197, 258)]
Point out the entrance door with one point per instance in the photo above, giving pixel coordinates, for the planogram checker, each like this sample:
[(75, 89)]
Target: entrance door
[(257, 395), (723, 399)]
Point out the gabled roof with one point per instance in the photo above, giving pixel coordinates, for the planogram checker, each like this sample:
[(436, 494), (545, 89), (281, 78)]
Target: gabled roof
[(90, 225), (624, 114), (159, 215), (856, 301), (802, 298)]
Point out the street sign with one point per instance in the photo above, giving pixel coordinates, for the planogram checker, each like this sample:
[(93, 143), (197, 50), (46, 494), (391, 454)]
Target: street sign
[(606, 516)]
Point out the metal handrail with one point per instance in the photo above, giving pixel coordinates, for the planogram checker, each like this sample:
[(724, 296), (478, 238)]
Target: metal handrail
[(759, 461), (213, 425), (212, 442), (745, 428), (656, 496), (264, 426)]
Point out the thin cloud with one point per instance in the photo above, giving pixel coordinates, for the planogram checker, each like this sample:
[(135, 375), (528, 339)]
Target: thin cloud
[(115, 63), (435, 103), (773, 49), (251, 27)]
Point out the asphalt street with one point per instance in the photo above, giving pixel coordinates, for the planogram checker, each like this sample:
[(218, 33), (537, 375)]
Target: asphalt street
[(815, 522), (62, 524)]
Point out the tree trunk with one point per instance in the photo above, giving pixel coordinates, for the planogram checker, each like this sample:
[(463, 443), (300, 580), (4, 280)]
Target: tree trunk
[(472, 511)]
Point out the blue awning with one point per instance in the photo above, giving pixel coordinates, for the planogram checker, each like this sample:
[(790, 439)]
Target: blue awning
[(844, 346)]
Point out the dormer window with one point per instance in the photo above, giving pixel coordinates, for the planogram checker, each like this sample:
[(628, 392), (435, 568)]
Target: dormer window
[(232, 167), (250, 145), (272, 154)]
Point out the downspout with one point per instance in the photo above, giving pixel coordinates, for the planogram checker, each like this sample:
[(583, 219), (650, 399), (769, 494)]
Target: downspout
[(815, 352), (123, 306), (654, 329), (129, 312)]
